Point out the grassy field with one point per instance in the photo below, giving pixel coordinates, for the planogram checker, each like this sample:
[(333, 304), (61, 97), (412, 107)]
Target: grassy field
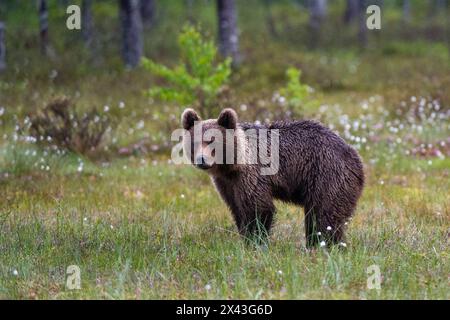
[(140, 227), (154, 231)]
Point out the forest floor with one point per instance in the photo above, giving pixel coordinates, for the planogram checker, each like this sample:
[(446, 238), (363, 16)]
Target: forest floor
[(141, 227)]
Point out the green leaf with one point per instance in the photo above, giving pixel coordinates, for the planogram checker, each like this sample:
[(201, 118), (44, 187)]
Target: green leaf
[(197, 78)]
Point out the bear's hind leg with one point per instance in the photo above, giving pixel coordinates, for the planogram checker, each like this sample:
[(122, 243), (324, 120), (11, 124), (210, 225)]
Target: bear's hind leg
[(311, 228), (322, 226)]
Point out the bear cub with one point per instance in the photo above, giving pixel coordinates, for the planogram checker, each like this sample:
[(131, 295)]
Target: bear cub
[(316, 169)]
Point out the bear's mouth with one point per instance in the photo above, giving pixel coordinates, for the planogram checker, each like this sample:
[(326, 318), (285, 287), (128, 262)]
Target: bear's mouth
[(203, 166), (201, 163)]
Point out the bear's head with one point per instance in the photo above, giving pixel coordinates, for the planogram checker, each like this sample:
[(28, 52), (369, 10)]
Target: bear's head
[(211, 145)]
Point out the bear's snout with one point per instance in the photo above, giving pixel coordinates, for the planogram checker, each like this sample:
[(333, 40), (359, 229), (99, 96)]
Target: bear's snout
[(201, 163)]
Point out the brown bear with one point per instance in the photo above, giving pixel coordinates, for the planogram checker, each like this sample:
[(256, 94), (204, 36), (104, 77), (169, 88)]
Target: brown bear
[(317, 170)]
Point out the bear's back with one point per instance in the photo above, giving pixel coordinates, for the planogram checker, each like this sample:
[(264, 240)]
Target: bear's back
[(309, 137), (310, 153)]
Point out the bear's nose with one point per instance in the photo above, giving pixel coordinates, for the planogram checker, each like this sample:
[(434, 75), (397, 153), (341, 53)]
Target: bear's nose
[(200, 163)]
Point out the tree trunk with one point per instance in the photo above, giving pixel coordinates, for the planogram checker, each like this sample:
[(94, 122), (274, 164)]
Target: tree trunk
[(147, 12), (87, 25), (362, 32), (317, 13), (189, 8), (441, 4), (436, 6), (2, 47), (270, 19), (43, 27), (406, 10), (351, 11), (228, 31), (356, 10), (132, 46), (63, 3)]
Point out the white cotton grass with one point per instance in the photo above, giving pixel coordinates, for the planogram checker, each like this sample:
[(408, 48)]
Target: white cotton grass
[(80, 167), (15, 272), (208, 287), (140, 125), (329, 228), (322, 244)]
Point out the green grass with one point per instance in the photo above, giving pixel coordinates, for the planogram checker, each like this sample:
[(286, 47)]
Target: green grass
[(160, 231)]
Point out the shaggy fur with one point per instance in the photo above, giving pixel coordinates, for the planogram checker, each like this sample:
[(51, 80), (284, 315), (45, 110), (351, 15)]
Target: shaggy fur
[(317, 170)]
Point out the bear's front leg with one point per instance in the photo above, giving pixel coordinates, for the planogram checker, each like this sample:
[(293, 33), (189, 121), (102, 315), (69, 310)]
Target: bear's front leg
[(256, 219), (252, 211)]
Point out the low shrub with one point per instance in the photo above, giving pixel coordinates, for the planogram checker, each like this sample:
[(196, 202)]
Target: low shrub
[(59, 124)]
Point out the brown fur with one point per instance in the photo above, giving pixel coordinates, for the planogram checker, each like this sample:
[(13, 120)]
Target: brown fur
[(317, 170)]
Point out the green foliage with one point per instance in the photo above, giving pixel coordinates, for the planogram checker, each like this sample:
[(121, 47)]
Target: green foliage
[(296, 94), (416, 49), (197, 80)]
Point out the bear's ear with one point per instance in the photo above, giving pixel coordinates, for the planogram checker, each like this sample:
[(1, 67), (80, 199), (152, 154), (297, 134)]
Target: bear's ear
[(188, 118), (228, 119)]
